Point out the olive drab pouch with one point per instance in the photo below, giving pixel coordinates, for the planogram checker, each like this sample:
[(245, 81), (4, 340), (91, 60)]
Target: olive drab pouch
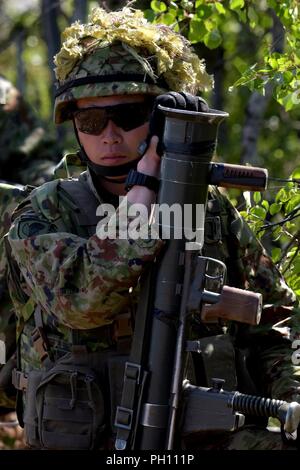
[(65, 406)]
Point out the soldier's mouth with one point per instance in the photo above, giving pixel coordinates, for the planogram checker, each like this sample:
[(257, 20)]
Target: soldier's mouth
[(113, 158)]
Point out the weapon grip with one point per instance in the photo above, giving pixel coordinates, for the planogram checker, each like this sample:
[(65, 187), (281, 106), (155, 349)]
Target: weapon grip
[(235, 304), (238, 176)]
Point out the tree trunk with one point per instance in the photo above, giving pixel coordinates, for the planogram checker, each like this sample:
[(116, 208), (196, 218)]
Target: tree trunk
[(80, 11), (218, 92), (51, 33), (257, 105), (21, 75)]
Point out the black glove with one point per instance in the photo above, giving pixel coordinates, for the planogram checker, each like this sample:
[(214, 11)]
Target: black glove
[(172, 100)]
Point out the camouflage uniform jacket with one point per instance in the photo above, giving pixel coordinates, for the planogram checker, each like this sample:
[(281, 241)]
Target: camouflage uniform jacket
[(82, 282)]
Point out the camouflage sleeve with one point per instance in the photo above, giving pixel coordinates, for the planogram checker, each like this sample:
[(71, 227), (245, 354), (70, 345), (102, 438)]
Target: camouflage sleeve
[(83, 282), (270, 343)]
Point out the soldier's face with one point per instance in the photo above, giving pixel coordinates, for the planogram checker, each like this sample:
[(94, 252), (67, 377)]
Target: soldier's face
[(114, 145)]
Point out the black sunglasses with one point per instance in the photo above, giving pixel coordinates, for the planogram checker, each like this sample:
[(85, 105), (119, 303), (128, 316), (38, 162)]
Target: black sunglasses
[(127, 116)]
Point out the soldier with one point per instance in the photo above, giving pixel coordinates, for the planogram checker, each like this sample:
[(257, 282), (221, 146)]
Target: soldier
[(27, 152), (75, 293)]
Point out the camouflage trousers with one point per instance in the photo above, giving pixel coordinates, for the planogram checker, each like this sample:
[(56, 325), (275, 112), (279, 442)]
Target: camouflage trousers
[(248, 438)]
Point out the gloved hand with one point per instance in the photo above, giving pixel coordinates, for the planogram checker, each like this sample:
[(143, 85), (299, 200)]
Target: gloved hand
[(172, 100)]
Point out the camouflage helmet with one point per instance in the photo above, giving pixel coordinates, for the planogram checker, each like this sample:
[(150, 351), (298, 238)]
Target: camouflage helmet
[(120, 53)]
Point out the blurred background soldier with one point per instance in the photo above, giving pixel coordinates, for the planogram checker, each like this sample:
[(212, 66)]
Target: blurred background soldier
[(27, 152)]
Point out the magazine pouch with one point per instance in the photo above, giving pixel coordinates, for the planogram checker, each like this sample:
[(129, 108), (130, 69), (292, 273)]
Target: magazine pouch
[(65, 405)]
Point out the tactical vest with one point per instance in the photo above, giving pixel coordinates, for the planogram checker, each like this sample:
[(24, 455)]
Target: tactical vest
[(71, 379)]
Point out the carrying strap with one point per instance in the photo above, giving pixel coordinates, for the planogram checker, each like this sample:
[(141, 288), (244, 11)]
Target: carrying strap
[(84, 205), (39, 336), (40, 344), (134, 375)]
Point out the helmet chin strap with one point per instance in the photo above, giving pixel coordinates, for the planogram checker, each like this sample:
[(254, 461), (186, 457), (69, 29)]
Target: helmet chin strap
[(109, 171)]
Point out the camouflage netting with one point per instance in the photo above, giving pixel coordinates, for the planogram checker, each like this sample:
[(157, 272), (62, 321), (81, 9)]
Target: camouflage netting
[(119, 44)]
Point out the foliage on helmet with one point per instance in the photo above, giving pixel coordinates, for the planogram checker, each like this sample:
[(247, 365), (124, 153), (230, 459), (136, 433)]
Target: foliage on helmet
[(180, 67)]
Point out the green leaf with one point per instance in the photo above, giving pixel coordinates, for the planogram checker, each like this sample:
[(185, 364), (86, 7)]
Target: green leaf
[(260, 212), (275, 208), (256, 197), (296, 267), (276, 253), (167, 18), (212, 39), (244, 214), (242, 15), (277, 232), (282, 196), (219, 7), (293, 203), (273, 62), (290, 226), (157, 6), (288, 77), (273, 3), (265, 204), (296, 173), (236, 4), (240, 64), (252, 16), (203, 11), (197, 30), (289, 101), (149, 15)]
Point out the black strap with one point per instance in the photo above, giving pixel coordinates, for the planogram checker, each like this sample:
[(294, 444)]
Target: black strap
[(135, 375), (140, 179), (39, 337), (128, 77), (85, 205)]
